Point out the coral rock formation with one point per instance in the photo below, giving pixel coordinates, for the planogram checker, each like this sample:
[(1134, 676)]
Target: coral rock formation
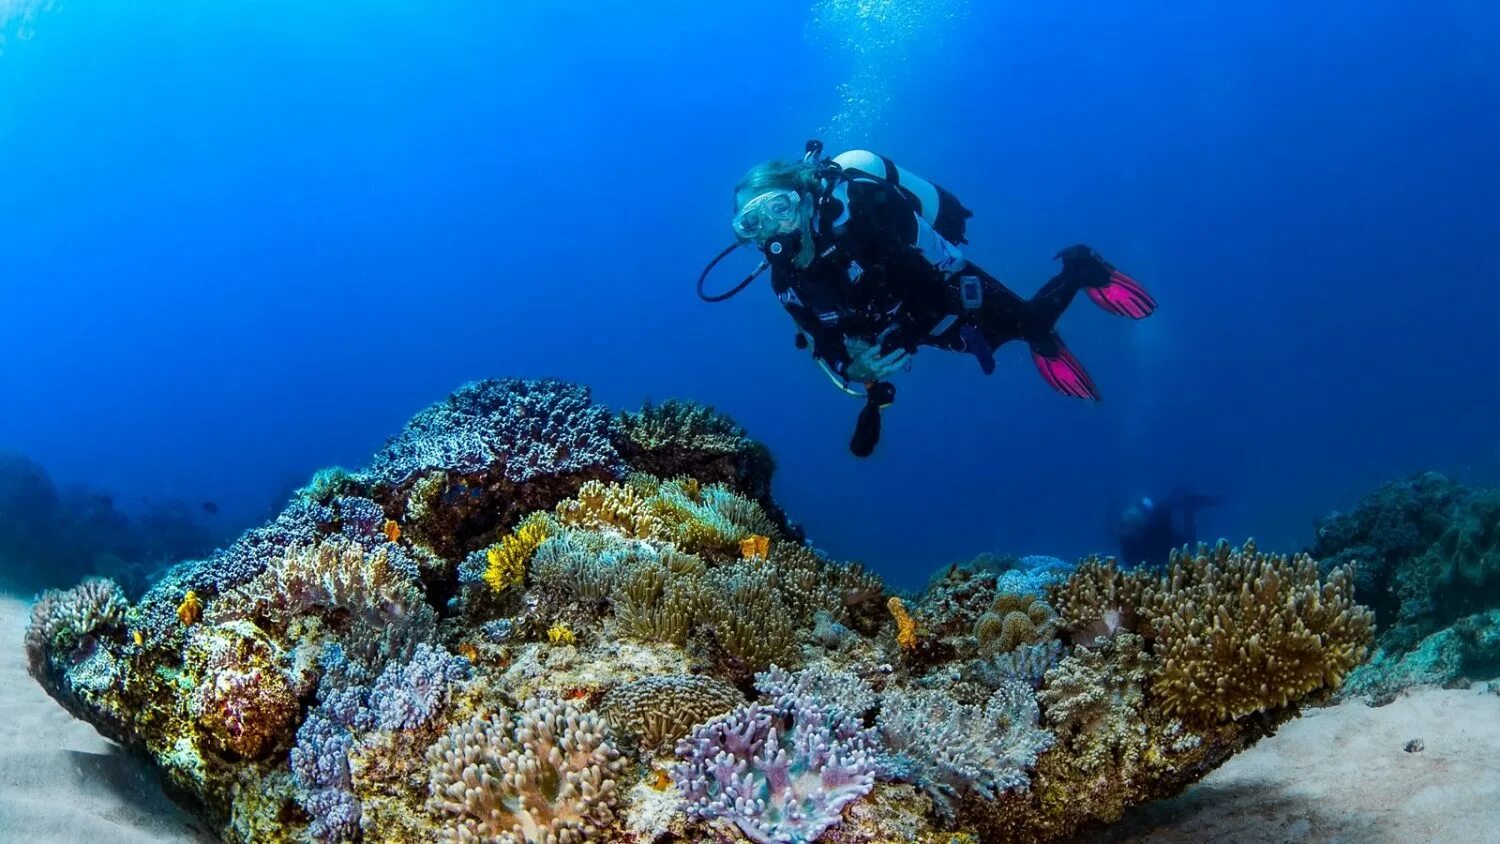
[(532, 619)]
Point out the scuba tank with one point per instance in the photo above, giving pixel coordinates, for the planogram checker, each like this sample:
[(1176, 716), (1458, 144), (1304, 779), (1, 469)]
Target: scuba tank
[(940, 208)]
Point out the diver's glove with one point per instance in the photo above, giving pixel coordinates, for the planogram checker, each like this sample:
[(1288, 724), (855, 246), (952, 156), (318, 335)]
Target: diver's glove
[(867, 363)]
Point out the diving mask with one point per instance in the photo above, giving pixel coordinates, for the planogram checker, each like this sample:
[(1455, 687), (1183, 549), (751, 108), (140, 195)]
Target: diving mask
[(768, 215)]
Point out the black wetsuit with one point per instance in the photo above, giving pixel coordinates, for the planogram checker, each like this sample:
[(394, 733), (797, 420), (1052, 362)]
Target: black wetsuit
[(879, 266), (1164, 528)]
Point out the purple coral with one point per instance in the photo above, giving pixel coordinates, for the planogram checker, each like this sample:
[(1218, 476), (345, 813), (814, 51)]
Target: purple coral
[(528, 428), (320, 771), (781, 772), (405, 697)]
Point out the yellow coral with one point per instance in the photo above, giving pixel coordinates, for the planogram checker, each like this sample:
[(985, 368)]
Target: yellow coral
[(191, 608), (392, 530), (506, 559), (755, 546), (906, 626), (135, 636), (560, 634)]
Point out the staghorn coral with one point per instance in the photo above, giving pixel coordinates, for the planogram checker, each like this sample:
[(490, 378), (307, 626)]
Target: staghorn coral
[(544, 774), (951, 748), (1237, 632), (524, 429), (657, 711), (781, 772)]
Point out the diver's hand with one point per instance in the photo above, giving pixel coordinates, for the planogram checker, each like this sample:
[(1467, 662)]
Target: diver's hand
[(867, 363)]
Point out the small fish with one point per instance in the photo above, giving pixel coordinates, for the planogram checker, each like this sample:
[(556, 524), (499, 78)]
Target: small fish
[(210, 508)]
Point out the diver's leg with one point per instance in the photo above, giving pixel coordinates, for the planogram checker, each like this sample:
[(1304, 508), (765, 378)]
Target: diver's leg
[(1004, 316)]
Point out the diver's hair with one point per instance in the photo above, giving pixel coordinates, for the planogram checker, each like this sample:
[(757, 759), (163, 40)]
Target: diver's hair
[(778, 175)]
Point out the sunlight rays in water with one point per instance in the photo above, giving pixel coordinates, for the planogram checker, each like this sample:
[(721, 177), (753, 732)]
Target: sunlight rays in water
[(17, 17)]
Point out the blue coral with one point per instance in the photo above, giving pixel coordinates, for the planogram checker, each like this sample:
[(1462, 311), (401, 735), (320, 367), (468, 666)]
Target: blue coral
[(320, 772), (527, 429), (407, 696), (1026, 663), (781, 772)]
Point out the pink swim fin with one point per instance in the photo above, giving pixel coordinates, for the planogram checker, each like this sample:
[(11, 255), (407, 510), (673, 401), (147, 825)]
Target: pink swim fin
[(1063, 371), (1123, 295)]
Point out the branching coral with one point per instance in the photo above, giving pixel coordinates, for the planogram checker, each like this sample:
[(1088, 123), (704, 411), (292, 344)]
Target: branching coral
[(406, 696), (526, 429), (657, 711), (1238, 631), (951, 748), (1025, 663), (781, 772), (1094, 702), (1099, 599), (542, 775), (837, 690)]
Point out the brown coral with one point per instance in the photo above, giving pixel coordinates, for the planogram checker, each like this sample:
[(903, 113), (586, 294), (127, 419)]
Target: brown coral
[(660, 710), (1099, 600), (1238, 631), (244, 703), (1013, 621)]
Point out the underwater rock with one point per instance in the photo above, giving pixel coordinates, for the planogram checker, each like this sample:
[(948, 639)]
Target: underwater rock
[(534, 620), (1425, 552)]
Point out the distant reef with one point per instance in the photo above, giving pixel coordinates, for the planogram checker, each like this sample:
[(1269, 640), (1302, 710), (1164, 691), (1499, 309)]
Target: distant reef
[(1425, 553), (533, 619)]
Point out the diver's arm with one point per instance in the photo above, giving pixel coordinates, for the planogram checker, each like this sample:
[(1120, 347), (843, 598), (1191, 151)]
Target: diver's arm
[(826, 340)]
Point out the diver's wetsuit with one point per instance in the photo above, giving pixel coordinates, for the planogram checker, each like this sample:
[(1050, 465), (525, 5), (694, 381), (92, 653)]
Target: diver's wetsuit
[(1164, 528), (882, 269)]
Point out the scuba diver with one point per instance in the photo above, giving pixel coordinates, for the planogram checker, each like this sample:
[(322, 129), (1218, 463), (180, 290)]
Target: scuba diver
[(864, 256), (1150, 531)]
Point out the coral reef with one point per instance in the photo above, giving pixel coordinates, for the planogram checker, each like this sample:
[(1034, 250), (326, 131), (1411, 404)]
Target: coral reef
[(657, 711), (531, 619), (543, 774), (1425, 552), (781, 772)]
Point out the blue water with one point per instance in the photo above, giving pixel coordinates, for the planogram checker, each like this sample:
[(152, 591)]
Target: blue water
[(243, 240)]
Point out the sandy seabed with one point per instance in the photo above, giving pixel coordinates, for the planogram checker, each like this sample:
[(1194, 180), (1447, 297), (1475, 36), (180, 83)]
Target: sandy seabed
[(1340, 774)]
